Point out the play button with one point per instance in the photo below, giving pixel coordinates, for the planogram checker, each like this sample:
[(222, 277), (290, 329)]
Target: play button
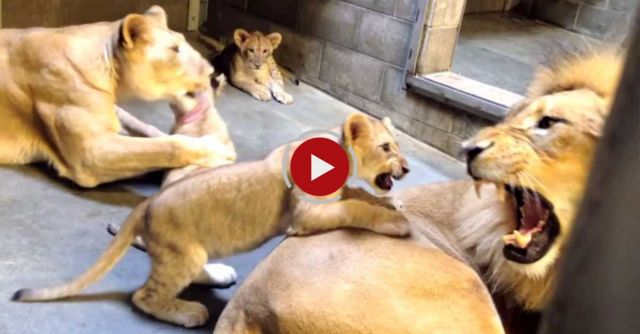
[(319, 166)]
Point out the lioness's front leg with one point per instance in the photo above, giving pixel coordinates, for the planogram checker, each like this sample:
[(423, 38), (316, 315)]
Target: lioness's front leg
[(309, 218), (93, 155)]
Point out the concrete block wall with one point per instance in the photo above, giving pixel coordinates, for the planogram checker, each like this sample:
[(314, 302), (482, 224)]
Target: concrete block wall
[(354, 50), (608, 20)]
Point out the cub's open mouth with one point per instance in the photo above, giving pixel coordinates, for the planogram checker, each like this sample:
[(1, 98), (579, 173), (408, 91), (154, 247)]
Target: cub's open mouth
[(536, 226), (384, 181)]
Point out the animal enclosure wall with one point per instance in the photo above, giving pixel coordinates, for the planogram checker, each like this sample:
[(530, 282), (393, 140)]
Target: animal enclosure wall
[(354, 50), (56, 13)]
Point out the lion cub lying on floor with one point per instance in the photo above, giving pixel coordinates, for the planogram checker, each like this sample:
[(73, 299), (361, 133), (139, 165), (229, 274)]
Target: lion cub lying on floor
[(250, 66), (233, 208)]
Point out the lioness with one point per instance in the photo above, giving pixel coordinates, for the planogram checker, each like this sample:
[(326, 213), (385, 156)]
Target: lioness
[(235, 208), (250, 66), (539, 155), (59, 88)]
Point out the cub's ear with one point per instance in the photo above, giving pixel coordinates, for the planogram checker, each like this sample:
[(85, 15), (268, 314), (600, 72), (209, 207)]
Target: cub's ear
[(355, 127), (240, 36), (387, 124), (134, 30), (158, 15), (275, 38)]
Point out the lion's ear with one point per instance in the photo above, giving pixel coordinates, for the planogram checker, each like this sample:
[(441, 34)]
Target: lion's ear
[(240, 36), (388, 125), (355, 127), (134, 30), (275, 38), (157, 14)]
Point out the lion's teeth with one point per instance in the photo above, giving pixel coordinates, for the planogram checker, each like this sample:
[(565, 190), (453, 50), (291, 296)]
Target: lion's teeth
[(476, 187), (522, 240), (502, 193)]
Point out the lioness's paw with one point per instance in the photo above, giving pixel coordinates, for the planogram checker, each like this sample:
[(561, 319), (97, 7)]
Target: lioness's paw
[(217, 274), (261, 93), (282, 97)]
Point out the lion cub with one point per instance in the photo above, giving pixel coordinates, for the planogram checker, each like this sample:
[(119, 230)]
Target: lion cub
[(234, 208), (250, 66)]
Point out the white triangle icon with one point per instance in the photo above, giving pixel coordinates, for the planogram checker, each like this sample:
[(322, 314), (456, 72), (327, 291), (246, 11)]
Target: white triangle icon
[(319, 167)]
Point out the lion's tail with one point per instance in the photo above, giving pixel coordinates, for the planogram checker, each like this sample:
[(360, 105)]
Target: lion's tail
[(116, 250)]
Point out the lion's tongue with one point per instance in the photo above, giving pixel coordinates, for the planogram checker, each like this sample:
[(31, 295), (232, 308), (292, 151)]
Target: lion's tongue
[(532, 220), (198, 110)]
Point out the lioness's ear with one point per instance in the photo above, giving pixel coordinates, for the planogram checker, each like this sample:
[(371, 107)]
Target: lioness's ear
[(275, 38), (240, 36), (134, 30), (158, 14), (355, 127)]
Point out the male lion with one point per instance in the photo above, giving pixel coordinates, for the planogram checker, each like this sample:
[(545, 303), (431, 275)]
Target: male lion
[(59, 88), (357, 282), (221, 211)]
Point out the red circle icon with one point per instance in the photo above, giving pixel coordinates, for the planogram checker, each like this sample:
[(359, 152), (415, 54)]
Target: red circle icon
[(319, 166)]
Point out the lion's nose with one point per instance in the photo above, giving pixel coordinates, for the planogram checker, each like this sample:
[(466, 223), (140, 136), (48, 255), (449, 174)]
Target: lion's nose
[(473, 150)]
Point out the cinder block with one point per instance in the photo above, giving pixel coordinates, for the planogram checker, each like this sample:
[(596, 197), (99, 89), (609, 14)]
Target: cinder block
[(384, 37), (444, 13), (560, 12), (302, 54), (331, 20), (406, 9), (384, 6), (436, 51), (352, 71), (602, 23), (283, 12), (623, 4)]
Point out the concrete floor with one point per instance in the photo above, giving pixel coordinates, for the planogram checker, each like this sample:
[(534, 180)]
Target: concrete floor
[(504, 50), (52, 230)]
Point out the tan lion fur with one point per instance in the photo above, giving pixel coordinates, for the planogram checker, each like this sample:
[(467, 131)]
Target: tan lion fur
[(59, 88), (225, 210), (388, 290)]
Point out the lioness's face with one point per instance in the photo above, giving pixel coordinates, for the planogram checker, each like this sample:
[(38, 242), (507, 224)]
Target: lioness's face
[(255, 47), (158, 62), (379, 160), (540, 154)]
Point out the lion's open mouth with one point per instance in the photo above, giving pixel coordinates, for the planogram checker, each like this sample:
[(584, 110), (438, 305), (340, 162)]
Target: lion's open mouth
[(384, 181), (536, 226)]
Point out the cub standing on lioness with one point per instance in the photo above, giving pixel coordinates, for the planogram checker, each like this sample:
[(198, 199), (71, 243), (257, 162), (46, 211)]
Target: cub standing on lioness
[(59, 88), (235, 208), (250, 66)]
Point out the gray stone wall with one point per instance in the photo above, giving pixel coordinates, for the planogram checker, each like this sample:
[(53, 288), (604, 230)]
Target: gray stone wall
[(607, 20), (354, 50)]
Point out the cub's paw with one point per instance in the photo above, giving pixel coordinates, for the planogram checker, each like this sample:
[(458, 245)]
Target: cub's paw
[(396, 228), (297, 231), (282, 97), (191, 314), (217, 274), (261, 93)]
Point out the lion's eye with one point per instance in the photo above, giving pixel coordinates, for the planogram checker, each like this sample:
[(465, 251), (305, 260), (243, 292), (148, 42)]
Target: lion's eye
[(547, 122), (251, 50), (386, 147), (264, 52), (175, 48)]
